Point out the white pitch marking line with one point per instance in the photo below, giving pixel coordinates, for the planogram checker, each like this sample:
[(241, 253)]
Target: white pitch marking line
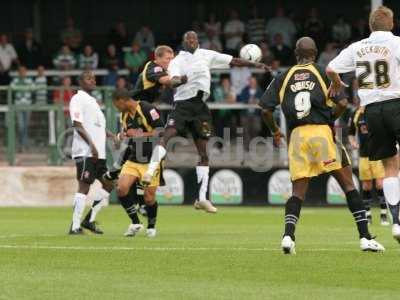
[(166, 249)]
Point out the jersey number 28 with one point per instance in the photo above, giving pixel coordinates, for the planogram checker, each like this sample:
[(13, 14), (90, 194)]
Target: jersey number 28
[(302, 104), (381, 70)]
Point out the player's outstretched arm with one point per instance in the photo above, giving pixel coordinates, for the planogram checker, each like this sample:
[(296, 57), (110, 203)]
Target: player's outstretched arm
[(239, 62), (268, 118), (337, 85), (174, 81)]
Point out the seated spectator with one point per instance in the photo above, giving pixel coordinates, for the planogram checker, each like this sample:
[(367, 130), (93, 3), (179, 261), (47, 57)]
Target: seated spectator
[(30, 51), (282, 52), (224, 93), (239, 78), (71, 36), (112, 57), (88, 59), (360, 30), (145, 38), (198, 28), (314, 27), (112, 76), (122, 83), (213, 25), (134, 60), (255, 27), (328, 54), (65, 59), (250, 119), (233, 30), (212, 42), (63, 96), (8, 56), (119, 36), (41, 87), (267, 55), (280, 24), (341, 30), (23, 88)]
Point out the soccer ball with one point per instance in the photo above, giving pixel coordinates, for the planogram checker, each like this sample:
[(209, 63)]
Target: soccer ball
[(251, 52)]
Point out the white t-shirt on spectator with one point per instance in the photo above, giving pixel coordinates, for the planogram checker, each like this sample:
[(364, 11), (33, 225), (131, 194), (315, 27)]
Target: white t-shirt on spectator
[(240, 78), (196, 66), (376, 61), (234, 26), (84, 108), (7, 55)]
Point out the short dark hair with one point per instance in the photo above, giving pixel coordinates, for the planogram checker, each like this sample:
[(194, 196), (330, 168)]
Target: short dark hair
[(122, 93), (84, 74)]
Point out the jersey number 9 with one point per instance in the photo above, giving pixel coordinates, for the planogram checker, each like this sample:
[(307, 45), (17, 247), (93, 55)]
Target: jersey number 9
[(302, 104)]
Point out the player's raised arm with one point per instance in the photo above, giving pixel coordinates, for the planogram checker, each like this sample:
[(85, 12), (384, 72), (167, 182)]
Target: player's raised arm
[(239, 62), (342, 63)]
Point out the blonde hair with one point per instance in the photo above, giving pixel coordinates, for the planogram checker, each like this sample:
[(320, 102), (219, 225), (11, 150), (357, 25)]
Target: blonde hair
[(381, 19), (162, 49)]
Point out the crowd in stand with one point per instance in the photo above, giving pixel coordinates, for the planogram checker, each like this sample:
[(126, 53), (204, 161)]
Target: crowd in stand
[(275, 36)]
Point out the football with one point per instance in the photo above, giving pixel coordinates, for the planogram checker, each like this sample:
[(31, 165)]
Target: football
[(251, 52)]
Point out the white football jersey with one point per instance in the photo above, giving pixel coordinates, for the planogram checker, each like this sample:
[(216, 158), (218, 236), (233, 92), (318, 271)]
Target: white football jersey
[(376, 61)]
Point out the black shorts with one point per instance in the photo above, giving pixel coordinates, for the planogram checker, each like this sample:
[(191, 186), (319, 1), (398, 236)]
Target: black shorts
[(87, 169), (383, 120), (191, 115)]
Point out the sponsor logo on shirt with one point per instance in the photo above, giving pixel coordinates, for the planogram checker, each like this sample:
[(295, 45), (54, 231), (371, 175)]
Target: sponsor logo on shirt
[(154, 114), (301, 76), (157, 69)]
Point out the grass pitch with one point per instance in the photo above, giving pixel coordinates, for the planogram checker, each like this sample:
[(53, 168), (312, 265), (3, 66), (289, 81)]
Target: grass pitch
[(232, 255)]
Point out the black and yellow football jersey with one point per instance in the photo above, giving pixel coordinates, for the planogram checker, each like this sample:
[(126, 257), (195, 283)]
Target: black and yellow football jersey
[(358, 125), (147, 87), (302, 92), (147, 118)]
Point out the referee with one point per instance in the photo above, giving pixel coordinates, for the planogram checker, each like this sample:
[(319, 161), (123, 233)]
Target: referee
[(191, 113)]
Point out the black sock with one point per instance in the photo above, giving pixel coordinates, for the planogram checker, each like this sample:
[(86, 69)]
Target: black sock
[(292, 214), (129, 205), (367, 199), (358, 210), (152, 215), (382, 201), (394, 210)]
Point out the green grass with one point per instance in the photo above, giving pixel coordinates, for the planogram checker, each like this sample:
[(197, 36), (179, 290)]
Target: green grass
[(232, 255)]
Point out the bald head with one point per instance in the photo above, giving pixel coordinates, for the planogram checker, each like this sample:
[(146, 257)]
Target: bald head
[(306, 49), (190, 41)]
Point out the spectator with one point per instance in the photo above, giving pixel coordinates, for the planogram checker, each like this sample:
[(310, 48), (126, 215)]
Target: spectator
[(71, 36), (199, 29), (255, 27), (30, 52), (360, 30), (41, 87), (134, 60), (65, 59), (212, 42), (22, 87), (119, 36), (250, 119), (145, 38), (112, 58), (63, 96), (233, 31), (281, 24), (122, 83), (267, 55), (239, 78), (8, 56), (213, 25), (341, 31), (88, 59), (327, 55), (281, 52), (314, 27), (223, 93), (112, 76)]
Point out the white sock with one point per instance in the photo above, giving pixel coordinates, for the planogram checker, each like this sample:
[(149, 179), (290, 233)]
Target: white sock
[(391, 190), (202, 177), (101, 197), (157, 156), (79, 207)]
